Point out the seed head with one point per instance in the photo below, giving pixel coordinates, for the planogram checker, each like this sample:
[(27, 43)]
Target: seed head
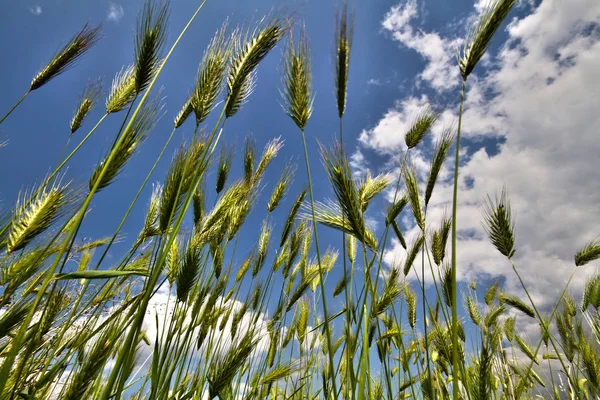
[(249, 51), (149, 42), (88, 99), (34, 215), (297, 81), (479, 38), (499, 225), (122, 90), (211, 72), (223, 169), (344, 27), (68, 55)]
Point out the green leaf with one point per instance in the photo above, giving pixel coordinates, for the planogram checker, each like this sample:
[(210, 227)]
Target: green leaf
[(98, 274)]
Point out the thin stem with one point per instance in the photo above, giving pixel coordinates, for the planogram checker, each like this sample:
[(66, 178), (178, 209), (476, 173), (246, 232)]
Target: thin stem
[(15, 106), (455, 394), (348, 288), (62, 153), (425, 334), (323, 295)]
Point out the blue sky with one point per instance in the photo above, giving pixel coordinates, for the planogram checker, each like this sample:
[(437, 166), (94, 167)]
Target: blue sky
[(531, 117), (380, 72), (43, 27)]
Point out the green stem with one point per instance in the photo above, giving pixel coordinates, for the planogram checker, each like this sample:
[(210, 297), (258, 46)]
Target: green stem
[(348, 288), (455, 388), (426, 336), (15, 106), (321, 283), (62, 154)]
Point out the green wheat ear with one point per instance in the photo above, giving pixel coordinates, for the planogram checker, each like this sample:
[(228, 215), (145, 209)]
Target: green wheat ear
[(140, 128), (440, 153), (223, 168), (149, 41), (346, 193), (439, 239), (185, 112), (187, 273), (411, 301), (412, 190), (344, 29), (88, 99), (248, 52), (479, 38), (590, 252), (176, 183), (499, 225), (421, 124), (281, 187), (68, 55), (517, 303), (211, 72), (591, 293), (297, 81), (33, 216), (289, 222), (150, 228), (225, 368), (249, 158), (412, 254), (270, 151), (370, 186), (122, 90)]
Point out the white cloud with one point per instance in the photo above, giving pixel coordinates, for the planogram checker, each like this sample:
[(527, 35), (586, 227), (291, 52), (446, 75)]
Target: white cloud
[(359, 164), (388, 135), (36, 10), (440, 71), (541, 98), (115, 12), (374, 81)]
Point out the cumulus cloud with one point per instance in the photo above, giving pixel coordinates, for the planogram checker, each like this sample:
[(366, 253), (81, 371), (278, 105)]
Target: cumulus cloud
[(539, 102), (437, 51), (115, 12)]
